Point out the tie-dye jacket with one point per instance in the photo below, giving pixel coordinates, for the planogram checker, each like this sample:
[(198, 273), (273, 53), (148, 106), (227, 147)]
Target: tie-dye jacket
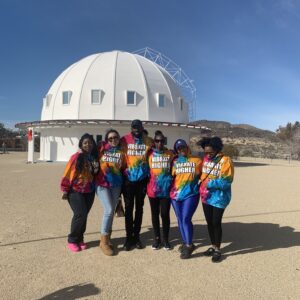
[(215, 189), (136, 154), (186, 174), (81, 182), (112, 164), (160, 173)]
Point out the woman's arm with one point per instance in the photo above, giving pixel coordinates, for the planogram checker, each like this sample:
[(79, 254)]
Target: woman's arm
[(69, 174), (226, 176)]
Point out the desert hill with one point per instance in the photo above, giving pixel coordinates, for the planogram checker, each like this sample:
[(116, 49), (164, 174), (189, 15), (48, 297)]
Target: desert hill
[(249, 140)]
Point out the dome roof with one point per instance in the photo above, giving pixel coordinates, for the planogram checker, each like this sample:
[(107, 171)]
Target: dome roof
[(115, 86)]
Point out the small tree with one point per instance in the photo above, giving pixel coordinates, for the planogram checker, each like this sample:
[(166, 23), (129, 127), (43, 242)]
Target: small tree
[(248, 153), (290, 134)]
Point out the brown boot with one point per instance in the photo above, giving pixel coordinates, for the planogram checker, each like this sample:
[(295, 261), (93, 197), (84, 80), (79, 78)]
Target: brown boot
[(109, 242), (104, 246)]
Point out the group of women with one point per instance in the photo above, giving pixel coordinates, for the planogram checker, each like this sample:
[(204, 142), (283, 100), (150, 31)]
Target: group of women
[(176, 177)]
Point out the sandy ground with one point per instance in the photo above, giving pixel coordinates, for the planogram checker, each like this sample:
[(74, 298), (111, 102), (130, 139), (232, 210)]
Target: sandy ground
[(261, 242)]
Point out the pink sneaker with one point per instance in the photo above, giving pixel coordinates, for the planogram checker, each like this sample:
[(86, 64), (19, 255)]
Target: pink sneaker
[(73, 247), (83, 245)]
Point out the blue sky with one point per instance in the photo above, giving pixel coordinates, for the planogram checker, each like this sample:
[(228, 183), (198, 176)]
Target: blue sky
[(242, 55)]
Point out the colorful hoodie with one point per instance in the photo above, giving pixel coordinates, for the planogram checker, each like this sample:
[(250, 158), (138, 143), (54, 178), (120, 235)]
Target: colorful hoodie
[(82, 182), (215, 189), (112, 163), (186, 174), (136, 153), (160, 173)]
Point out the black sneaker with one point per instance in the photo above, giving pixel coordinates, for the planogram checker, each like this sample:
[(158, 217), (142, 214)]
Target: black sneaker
[(138, 244), (187, 251), (156, 244), (181, 247), (167, 246), (127, 245), (209, 252), (216, 257)]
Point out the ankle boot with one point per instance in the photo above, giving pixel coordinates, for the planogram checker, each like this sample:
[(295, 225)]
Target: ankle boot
[(104, 246), (109, 241)]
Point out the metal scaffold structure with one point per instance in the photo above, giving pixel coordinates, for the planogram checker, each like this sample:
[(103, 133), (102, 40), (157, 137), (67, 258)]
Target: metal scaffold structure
[(177, 74)]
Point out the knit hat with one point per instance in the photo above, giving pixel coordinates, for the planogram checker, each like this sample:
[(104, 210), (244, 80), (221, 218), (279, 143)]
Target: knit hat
[(136, 123)]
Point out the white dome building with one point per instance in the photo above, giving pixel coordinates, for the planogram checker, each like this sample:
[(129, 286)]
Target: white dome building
[(115, 86), (107, 90)]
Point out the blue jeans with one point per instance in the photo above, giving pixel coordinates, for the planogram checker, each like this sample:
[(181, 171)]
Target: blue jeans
[(109, 198), (184, 211)]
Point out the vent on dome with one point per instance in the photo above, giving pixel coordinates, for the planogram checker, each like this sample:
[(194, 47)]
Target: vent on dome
[(181, 103)]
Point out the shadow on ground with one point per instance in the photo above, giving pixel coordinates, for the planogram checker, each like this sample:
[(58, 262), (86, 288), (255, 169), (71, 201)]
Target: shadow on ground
[(74, 292), (242, 238), (249, 164)]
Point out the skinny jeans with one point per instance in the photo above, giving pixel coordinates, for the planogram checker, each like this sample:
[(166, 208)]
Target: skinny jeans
[(109, 198), (184, 211), (80, 203)]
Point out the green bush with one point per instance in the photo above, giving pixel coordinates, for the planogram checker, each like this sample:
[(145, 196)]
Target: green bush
[(248, 153), (231, 150)]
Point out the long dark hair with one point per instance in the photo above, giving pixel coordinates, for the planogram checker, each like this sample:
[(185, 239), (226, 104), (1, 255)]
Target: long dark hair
[(82, 157)]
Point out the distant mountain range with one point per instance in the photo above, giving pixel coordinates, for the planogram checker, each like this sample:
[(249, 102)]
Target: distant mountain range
[(249, 140)]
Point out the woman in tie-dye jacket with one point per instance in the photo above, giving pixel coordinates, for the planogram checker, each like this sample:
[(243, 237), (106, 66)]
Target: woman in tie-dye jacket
[(215, 191), (78, 188), (184, 193), (108, 184), (158, 189)]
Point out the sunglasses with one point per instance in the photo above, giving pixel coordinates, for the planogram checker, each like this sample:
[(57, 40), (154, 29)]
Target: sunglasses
[(181, 148), (159, 141), (112, 138)]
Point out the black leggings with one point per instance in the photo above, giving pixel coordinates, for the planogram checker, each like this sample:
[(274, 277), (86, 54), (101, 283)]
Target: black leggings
[(160, 206), (213, 216)]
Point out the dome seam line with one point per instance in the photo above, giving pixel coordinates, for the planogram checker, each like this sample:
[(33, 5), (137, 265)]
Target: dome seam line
[(86, 74)]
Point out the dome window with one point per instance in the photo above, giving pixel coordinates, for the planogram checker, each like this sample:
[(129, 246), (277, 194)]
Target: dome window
[(66, 97), (161, 100), (47, 100), (131, 98), (96, 96)]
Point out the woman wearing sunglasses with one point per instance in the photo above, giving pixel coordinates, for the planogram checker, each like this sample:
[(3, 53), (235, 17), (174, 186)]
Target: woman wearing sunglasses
[(186, 170), (158, 188), (108, 184)]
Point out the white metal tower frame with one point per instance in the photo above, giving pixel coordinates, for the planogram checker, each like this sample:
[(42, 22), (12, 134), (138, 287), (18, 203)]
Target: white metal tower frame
[(177, 74)]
